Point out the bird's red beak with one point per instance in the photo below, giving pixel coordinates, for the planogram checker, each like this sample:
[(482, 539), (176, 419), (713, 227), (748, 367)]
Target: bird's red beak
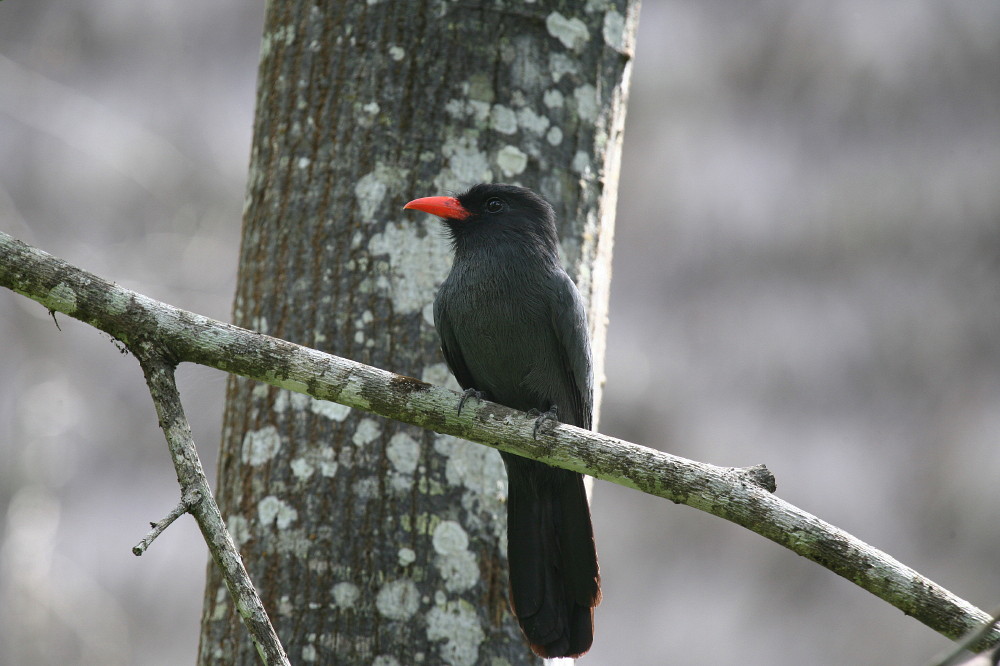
[(447, 207)]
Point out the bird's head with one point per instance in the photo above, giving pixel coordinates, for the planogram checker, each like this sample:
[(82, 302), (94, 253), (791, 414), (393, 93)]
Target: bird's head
[(488, 214)]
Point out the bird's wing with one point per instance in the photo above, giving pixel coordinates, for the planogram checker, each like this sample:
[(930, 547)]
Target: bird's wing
[(450, 348), (569, 320)]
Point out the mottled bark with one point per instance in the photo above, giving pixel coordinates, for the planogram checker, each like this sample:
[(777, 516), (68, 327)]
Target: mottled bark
[(367, 539)]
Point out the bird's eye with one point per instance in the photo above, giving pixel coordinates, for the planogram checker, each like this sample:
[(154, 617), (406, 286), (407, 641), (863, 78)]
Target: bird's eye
[(494, 205)]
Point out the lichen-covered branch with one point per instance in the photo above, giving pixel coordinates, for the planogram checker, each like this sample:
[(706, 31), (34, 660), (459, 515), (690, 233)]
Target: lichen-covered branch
[(731, 494), (197, 499)]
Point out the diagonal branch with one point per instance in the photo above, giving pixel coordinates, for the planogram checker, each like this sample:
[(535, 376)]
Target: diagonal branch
[(196, 491), (735, 495)]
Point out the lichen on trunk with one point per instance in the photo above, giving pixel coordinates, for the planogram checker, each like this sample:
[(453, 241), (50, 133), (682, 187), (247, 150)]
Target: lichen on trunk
[(372, 541)]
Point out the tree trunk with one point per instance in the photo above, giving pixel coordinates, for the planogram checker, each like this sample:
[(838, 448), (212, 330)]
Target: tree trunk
[(371, 541)]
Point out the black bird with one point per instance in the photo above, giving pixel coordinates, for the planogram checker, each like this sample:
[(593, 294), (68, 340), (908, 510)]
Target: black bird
[(513, 329)]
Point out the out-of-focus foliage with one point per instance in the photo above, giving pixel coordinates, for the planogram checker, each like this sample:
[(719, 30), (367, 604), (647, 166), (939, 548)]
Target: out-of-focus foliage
[(807, 275)]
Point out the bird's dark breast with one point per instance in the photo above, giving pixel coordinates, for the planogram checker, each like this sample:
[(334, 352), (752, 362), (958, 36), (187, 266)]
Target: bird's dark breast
[(504, 333)]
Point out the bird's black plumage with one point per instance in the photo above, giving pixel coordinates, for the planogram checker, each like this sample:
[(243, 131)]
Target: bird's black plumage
[(513, 326)]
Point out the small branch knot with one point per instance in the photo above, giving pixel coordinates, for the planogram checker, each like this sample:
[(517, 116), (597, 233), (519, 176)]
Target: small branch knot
[(758, 475)]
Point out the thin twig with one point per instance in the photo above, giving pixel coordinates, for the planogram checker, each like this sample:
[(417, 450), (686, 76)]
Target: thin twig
[(957, 654), (184, 506)]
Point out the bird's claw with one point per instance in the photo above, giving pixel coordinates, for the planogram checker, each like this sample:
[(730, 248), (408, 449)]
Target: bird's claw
[(469, 393), (546, 421)]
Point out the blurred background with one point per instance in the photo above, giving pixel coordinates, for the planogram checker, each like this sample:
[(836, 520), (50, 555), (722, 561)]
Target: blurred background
[(807, 275)]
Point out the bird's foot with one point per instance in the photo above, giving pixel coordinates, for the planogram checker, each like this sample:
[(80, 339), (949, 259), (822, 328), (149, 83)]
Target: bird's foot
[(546, 421), (470, 393)]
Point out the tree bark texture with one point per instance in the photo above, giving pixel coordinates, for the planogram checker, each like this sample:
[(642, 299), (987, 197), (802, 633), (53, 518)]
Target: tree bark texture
[(372, 541)]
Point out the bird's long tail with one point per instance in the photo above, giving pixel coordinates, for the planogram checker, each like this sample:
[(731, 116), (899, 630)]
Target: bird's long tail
[(554, 579)]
